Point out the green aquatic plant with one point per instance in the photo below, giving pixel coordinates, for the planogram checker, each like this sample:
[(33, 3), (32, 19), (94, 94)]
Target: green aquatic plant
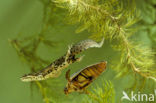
[(115, 20), (101, 94), (26, 50), (118, 21)]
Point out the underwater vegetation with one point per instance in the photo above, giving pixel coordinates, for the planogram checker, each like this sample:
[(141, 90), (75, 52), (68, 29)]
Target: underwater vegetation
[(120, 22), (101, 94)]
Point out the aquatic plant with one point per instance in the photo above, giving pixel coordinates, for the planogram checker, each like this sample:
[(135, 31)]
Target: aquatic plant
[(101, 94), (118, 21)]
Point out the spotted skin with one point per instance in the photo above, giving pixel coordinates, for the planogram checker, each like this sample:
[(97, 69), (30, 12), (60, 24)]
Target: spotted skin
[(55, 68), (79, 47)]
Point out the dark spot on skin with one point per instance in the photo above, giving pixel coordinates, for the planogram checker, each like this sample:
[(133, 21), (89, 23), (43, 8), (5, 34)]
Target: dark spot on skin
[(44, 74), (56, 67), (71, 51), (59, 61), (49, 71)]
